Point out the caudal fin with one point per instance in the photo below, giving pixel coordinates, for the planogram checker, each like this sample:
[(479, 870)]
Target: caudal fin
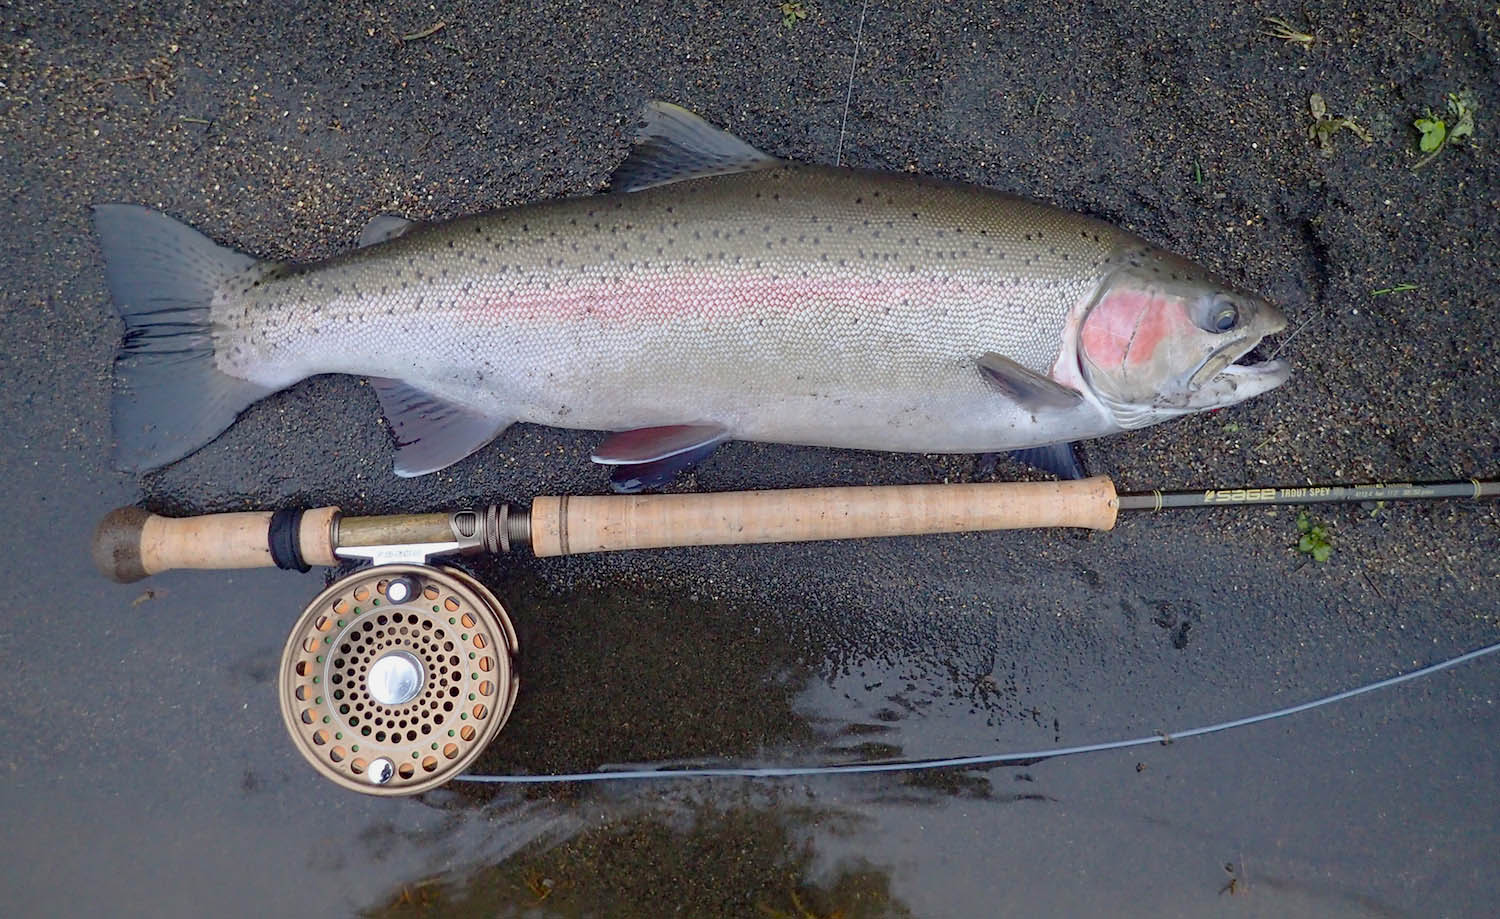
[(169, 397)]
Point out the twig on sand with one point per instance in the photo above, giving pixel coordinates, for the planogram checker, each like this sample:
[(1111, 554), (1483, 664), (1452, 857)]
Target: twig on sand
[(157, 72), (427, 32)]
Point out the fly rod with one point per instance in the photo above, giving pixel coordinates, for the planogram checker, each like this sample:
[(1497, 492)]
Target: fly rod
[(131, 543), (397, 675)]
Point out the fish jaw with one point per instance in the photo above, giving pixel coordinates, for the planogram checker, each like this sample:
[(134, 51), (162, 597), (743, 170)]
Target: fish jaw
[(1238, 382)]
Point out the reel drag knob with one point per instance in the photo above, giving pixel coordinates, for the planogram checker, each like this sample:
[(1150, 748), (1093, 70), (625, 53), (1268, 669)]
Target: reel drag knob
[(396, 677)]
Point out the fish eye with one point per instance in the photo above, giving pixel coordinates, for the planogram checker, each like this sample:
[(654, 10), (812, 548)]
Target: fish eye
[(1225, 317)]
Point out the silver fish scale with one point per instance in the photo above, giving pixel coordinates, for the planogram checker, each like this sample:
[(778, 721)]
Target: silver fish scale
[(796, 303)]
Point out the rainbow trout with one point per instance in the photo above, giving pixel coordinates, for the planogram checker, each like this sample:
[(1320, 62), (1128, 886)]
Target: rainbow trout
[(716, 293)]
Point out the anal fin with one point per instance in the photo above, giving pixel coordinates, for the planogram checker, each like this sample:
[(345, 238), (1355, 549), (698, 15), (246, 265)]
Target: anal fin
[(431, 432)]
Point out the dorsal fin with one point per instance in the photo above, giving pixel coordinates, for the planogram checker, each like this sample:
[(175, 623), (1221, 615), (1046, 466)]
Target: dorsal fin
[(673, 144)]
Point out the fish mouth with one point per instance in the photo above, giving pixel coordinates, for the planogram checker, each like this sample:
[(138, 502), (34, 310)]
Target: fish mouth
[(1234, 373)]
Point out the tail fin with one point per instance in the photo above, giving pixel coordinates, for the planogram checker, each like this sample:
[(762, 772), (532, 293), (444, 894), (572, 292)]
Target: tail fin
[(169, 397)]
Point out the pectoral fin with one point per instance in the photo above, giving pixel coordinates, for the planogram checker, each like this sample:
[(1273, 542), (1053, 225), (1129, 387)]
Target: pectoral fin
[(431, 432), (1059, 459), (1025, 387)]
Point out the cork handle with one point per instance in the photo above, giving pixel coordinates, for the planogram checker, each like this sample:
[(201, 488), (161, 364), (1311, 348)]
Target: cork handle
[(573, 525), (130, 543)]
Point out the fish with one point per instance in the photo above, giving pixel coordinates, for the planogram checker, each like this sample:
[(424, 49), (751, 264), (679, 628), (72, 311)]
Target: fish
[(714, 293)]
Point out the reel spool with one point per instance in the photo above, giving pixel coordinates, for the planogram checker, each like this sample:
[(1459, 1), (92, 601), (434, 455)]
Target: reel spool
[(396, 677)]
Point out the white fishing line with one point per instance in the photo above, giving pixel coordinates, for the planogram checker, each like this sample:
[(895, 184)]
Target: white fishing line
[(838, 155), (987, 759)]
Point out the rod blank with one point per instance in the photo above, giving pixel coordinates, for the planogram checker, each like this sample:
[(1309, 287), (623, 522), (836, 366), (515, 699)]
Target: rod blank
[(1308, 494)]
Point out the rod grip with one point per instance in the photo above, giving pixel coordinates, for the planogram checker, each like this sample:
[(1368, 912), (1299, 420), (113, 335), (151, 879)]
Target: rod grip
[(131, 543), (574, 525)]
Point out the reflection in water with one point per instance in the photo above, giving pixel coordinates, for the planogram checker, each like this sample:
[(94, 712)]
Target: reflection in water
[(620, 673), (690, 859)]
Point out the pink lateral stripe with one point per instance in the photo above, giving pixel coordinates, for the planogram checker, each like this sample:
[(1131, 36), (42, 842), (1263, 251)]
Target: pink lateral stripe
[(709, 297)]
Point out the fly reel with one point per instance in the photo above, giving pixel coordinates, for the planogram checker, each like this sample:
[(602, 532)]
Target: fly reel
[(396, 677)]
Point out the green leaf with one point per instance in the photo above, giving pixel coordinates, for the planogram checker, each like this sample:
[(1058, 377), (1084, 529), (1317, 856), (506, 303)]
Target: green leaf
[(1322, 553), (1303, 522), (1433, 131), (1305, 544)]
